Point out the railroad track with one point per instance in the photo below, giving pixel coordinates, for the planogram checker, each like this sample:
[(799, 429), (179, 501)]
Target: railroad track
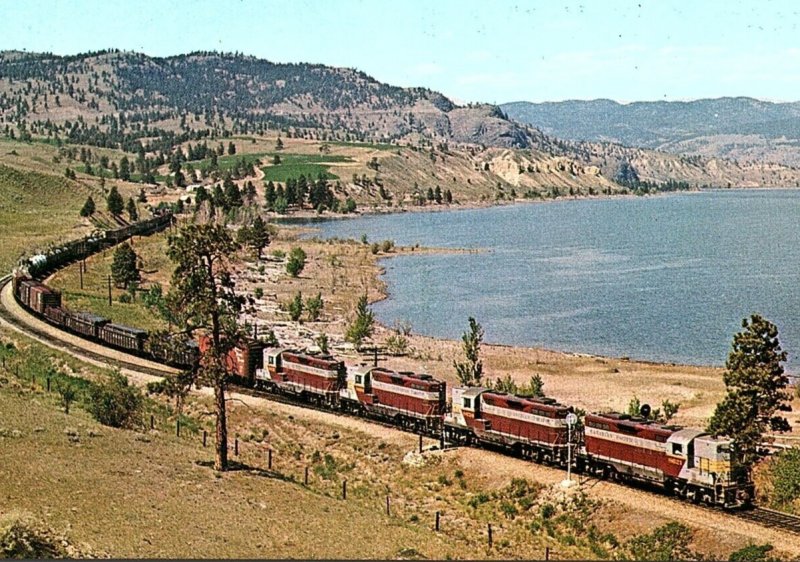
[(770, 518), (759, 515), (79, 351)]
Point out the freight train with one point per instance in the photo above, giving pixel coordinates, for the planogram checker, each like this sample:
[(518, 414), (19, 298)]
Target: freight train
[(685, 462)]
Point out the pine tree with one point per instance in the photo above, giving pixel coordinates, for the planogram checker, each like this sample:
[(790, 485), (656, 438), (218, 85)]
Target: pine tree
[(88, 208), (270, 195), (203, 297), (470, 371), (756, 389), (362, 325), (124, 269), (133, 214), (259, 235), (124, 169), (114, 202)]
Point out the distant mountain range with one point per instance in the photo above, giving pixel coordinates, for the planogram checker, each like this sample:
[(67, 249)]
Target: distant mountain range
[(737, 128), (125, 100)]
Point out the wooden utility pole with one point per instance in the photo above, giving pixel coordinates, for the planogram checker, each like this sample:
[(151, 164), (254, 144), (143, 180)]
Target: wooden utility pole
[(109, 290)]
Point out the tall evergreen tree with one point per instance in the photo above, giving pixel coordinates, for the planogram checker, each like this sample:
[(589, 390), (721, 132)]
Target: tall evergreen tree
[(125, 169), (88, 208), (124, 268), (114, 202), (133, 213), (203, 296), (756, 389), (362, 325)]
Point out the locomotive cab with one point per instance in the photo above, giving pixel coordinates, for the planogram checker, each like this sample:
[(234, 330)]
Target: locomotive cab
[(272, 365)]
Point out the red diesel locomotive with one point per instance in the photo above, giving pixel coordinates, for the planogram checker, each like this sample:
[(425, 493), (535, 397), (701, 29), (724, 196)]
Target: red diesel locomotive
[(531, 427)]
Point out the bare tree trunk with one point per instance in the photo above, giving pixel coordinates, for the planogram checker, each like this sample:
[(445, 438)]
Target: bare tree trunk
[(221, 459)]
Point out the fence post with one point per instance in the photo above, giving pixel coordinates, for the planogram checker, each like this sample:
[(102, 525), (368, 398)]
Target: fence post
[(547, 553), (152, 422), (305, 478), (178, 428), (48, 384), (490, 535), (205, 436), (269, 459), (236, 446), (437, 521), (344, 489), (388, 512), (420, 443)]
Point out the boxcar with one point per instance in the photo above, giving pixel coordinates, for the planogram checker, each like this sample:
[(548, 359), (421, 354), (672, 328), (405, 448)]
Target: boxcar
[(55, 314), (242, 361), (42, 296)]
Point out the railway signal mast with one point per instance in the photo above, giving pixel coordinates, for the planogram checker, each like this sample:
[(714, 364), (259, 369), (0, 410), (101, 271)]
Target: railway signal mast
[(571, 420)]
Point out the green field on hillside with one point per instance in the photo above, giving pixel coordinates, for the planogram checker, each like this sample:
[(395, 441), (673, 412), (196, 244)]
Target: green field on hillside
[(35, 210), (308, 165)]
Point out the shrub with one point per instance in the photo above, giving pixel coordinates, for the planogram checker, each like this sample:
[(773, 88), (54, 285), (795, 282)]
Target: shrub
[(297, 262), (784, 472), (116, 403), (314, 307), (478, 499), (258, 292), (295, 307), (21, 536), (508, 509), (547, 511), (668, 542), (387, 246), (753, 553), (397, 345)]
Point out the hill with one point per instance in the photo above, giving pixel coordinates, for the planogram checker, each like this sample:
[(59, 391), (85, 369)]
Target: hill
[(741, 128), (213, 91), (336, 120)]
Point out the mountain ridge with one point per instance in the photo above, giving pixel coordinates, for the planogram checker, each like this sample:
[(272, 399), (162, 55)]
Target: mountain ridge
[(740, 128), (130, 101)]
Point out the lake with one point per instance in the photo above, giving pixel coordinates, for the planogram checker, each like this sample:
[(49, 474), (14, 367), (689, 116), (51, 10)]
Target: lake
[(665, 278)]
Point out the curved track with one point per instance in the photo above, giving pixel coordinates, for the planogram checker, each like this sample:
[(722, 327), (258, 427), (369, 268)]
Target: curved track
[(81, 349)]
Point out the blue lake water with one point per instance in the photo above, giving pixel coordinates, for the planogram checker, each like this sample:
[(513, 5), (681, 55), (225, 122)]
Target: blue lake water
[(658, 278)]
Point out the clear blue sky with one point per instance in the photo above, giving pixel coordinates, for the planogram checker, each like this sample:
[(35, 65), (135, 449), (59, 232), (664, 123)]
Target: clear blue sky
[(492, 51)]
